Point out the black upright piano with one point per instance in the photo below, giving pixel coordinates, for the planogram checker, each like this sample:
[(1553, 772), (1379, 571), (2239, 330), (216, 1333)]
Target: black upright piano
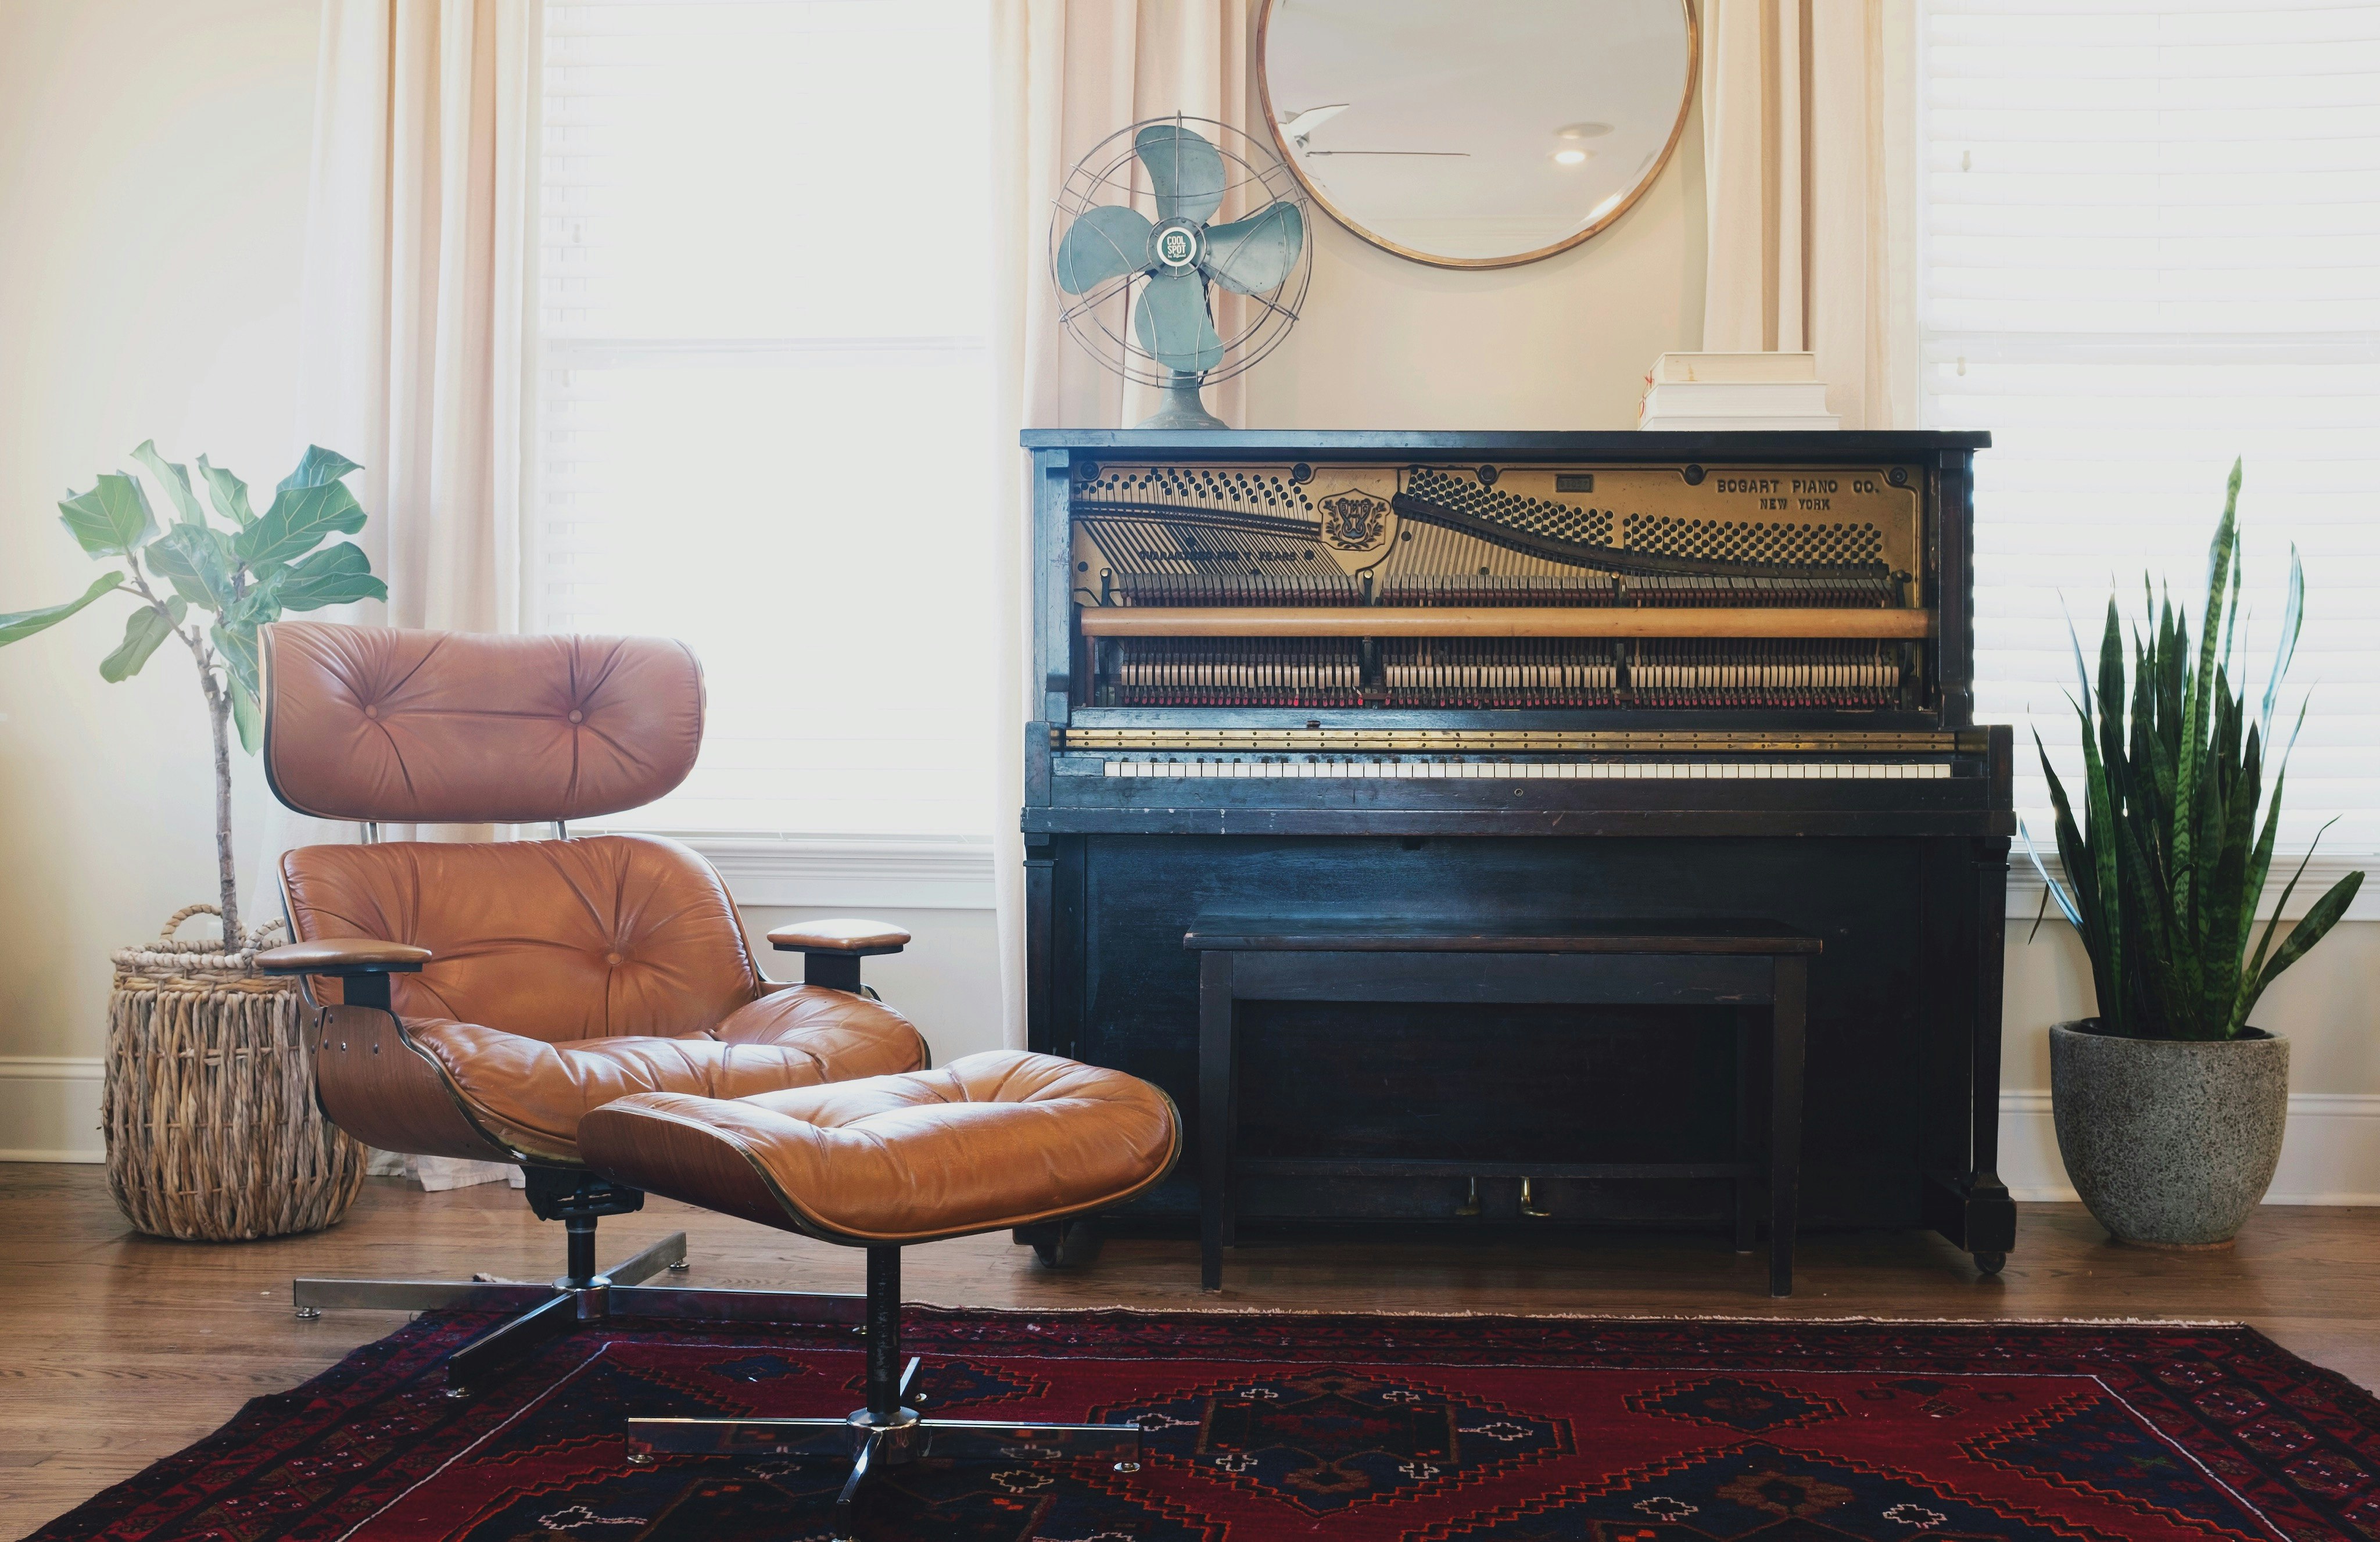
[(1507, 677)]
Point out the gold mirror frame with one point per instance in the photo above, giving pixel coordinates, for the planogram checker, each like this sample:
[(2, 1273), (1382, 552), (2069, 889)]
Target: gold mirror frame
[(1677, 132)]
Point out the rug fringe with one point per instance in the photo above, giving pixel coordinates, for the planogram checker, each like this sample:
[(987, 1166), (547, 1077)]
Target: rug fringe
[(1774, 1320)]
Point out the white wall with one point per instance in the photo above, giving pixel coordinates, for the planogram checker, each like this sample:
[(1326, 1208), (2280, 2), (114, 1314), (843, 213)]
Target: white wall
[(946, 981), (152, 174), (152, 161), (1383, 343)]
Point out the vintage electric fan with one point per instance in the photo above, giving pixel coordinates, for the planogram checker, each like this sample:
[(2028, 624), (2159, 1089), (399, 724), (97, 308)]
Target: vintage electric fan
[(1141, 289)]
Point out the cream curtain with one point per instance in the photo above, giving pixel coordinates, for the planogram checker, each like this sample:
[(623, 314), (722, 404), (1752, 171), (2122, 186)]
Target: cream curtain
[(420, 246), (1067, 74), (416, 317), (1809, 147)]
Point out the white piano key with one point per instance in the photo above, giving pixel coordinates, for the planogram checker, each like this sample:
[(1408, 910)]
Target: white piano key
[(1541, 770)]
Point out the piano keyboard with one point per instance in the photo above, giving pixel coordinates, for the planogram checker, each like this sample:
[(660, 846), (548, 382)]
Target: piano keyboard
[(1547, 771)]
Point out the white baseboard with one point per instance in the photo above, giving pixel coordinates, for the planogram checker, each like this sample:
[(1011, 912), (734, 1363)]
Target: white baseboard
[(2331, 1155), (49, 1109)]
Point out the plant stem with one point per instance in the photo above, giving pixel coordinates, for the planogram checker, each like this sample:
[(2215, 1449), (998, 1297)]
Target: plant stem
[(219, 717), (227, 874)]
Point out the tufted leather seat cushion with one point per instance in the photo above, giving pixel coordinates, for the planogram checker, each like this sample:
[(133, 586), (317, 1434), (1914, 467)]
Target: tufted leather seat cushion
[(987, 1142), (567, 973), (532, 1095)]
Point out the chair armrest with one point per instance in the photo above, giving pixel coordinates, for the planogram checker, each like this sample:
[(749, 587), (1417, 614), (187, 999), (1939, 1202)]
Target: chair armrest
[(364, 964), (343, 955), (832, 949), (840, 934)]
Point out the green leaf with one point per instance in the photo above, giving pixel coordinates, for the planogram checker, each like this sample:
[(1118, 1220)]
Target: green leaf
[(16, 625), (2094, 911), (113, 519), (336, 574), (2112, 690), (2050, 887), (245, 716), (197, 560), (2194, 712), (229, 493), (2099, 807), (299, 520), (143, 630), (237, 646), (2312, 928), (317, 468), (2159, 983), (2229, 902), (260, 602), (176, 479), (2251, 888)]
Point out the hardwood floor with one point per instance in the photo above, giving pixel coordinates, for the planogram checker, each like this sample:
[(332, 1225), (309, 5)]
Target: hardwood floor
[(119, 1349)]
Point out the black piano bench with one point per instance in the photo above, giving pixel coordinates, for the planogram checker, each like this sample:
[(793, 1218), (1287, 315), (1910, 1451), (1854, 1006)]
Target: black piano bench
[(1677, 962)]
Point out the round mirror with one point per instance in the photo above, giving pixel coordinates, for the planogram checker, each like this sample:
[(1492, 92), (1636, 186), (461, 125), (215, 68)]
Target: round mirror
[(1475, 135)]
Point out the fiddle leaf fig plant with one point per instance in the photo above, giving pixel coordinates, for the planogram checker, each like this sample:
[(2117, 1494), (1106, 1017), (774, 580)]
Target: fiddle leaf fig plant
[(212, 583), (2165, 868)]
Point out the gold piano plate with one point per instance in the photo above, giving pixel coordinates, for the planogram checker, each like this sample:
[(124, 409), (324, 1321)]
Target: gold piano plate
[(1395, 522), (1517, 741)]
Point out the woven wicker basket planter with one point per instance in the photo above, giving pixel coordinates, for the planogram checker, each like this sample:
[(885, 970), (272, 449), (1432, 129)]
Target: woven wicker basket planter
[(212, 1134)]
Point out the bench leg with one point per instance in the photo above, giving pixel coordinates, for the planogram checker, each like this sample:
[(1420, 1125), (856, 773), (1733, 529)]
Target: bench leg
[(1744, 1135), (1786, 1022), (1215, 1131)]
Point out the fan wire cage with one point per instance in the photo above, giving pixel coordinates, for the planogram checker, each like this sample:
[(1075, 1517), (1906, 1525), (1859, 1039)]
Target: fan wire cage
[(1100, 320)]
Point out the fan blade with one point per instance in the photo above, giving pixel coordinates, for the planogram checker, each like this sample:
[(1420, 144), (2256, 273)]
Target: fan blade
[(1185, 170), (1173, 325), (1257, 252), (1107, 242)]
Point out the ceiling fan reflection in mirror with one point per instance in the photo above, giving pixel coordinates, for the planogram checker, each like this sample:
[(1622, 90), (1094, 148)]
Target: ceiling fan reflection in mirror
[(1182, 253)]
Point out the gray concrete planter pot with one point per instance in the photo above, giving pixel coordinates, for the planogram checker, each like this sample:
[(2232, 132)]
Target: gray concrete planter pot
[(2171, 1144)]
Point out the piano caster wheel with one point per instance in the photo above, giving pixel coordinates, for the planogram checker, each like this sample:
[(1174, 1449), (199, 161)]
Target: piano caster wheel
[(680, 1267), (1990, 1264), (1047, 1253)]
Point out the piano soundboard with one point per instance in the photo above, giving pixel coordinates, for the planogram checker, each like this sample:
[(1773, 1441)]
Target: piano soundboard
[(1593, 674)]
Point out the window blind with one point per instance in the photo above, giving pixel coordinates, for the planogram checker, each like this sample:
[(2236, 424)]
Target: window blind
[(2150, 243), (765, 391)]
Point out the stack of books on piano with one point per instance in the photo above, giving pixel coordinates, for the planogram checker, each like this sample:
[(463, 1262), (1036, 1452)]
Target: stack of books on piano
[(1705, 391)]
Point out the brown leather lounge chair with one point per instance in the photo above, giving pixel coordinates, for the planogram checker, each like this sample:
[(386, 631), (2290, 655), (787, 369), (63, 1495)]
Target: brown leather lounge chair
[(483, 999)]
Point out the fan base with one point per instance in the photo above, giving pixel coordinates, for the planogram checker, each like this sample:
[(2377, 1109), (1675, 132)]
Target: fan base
[(1183, 409)]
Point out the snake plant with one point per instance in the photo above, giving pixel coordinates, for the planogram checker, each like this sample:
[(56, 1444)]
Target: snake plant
[(2164, 871)]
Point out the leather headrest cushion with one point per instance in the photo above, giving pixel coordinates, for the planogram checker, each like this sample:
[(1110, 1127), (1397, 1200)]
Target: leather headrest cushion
[(374, 723)]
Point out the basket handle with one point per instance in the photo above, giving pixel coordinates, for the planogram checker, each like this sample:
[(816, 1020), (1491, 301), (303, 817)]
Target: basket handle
[(256, 936), (174, 922)]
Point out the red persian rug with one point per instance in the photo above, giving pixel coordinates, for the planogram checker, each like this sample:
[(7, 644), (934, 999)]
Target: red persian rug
[(1345, 1429)]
